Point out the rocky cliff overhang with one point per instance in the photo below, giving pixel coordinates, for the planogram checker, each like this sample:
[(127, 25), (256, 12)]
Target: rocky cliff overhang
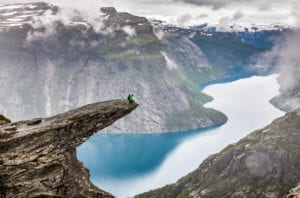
[(38, 157)]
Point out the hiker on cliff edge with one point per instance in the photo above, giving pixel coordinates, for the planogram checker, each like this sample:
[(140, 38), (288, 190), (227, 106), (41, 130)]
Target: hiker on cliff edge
[(130, 98)]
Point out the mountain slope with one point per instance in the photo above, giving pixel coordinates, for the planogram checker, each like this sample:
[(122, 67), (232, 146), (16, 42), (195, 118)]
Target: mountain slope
[(51, 63), (266, 163)]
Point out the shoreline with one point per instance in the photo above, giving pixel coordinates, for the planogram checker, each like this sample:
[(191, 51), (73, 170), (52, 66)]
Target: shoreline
[(233, 75), (150, 160)]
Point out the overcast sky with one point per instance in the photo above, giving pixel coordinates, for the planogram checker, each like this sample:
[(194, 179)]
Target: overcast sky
[(193, 12)]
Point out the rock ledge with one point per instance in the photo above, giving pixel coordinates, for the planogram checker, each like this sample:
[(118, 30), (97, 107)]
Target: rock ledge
[(38, 157)]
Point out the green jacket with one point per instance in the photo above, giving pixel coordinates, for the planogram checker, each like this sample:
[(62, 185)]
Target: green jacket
[(130, 98)]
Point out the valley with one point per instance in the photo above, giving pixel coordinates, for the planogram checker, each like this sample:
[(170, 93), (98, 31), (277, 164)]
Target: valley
[(127, 164), (206, 96)]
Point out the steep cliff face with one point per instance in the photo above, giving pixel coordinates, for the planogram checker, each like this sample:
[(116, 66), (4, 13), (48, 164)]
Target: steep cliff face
[(50, 64), (266, 163), (38, 157)]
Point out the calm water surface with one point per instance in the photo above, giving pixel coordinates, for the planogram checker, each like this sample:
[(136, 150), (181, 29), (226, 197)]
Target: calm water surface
[(127, 164)]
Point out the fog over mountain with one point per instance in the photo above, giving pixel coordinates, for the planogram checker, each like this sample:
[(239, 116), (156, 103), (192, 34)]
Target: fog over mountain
[(216, 12), (284, 57)]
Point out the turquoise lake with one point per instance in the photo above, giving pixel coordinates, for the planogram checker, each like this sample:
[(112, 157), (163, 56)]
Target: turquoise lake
[(127, 164)]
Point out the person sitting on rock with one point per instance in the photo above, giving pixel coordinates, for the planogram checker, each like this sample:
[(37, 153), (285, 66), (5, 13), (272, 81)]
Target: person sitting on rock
[(130, 98)]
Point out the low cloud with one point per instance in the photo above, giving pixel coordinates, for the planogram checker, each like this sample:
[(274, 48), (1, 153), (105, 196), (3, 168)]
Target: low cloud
[(215, 4), (130, 31), (183, 19), (288, 66), (168, 10), (237, 15), (159, 33), (264, 7), (201, 16), (42, 29), (226, 22), (223, 24), (45, 26), (285, 59)]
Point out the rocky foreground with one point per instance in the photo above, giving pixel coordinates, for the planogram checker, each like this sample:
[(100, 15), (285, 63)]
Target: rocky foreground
[(266, 163), (38, 157)]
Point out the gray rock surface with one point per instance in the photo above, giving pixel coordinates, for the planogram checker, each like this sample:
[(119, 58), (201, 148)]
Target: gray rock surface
[(266, 163), (38, 157), (294, 192)]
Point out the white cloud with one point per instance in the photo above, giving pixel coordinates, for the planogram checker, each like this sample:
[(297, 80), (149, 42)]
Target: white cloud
[(203, 15), (176, 11), (285, 57), (184, 19), (159, 33), (237, 15), (129, 30), (223, 24)]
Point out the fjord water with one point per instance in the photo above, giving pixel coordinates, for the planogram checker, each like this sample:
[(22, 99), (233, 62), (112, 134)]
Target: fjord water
[(127, 164)]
